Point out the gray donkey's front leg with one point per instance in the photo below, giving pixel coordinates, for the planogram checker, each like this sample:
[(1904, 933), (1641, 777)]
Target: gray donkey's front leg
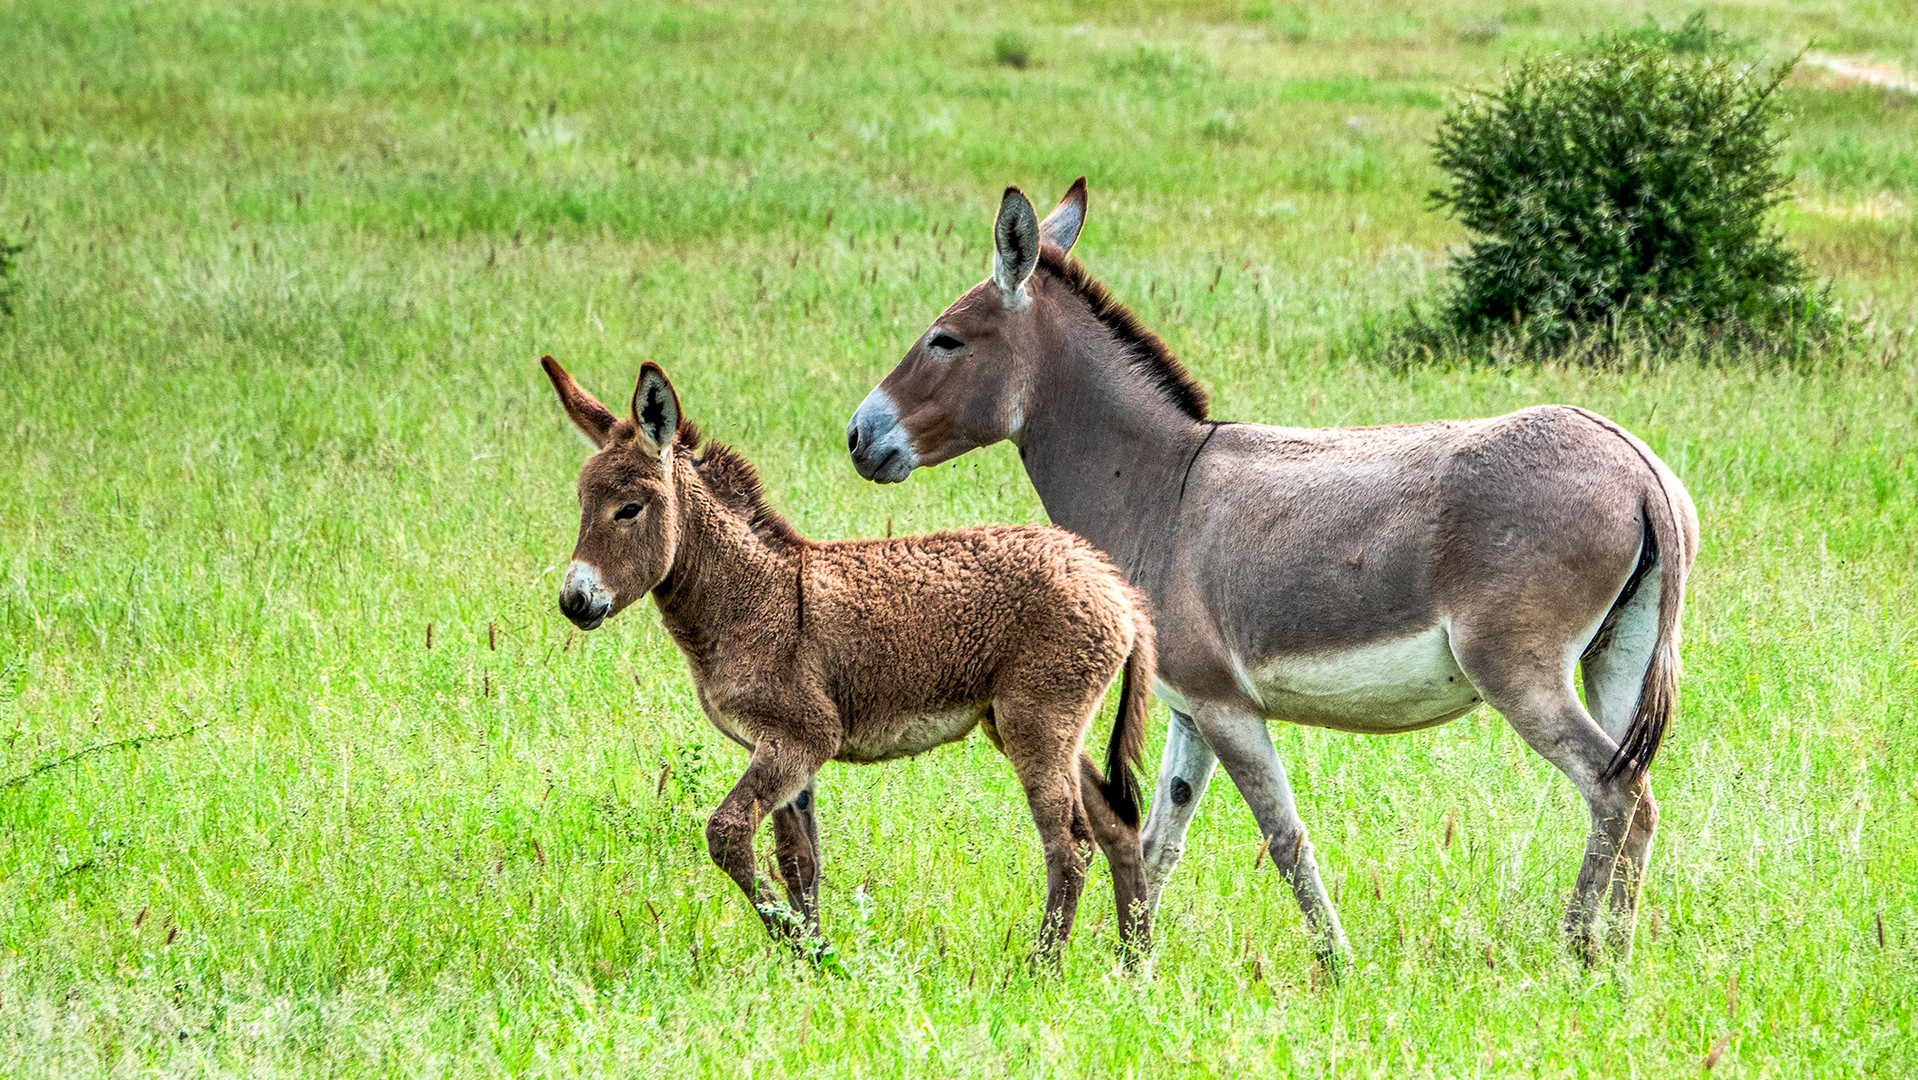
[(1245, 748), (1185, 769)]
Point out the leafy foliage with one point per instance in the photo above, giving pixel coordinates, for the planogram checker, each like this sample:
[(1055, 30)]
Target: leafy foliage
[(9, 265), (1630, 185), (1011, 49), (1694, 35)]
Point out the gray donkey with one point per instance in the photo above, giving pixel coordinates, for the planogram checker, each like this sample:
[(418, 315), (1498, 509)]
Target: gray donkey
[(1375, 579), (805, 653)]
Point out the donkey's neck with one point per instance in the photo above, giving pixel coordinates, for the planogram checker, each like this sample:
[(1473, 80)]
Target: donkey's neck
[(1105, 449), (727, 587)]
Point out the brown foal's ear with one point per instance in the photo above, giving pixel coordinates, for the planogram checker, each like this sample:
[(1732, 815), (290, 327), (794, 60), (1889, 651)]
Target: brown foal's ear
[(1015, 246), (655, 410), (592, 418), (1061, 227)]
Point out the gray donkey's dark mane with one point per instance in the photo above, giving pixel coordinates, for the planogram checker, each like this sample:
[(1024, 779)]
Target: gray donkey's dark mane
[(1149, 355)]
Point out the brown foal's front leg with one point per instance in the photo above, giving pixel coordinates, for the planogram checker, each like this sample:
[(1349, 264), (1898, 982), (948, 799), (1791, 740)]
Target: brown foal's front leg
[(779, 770), (796, 837)]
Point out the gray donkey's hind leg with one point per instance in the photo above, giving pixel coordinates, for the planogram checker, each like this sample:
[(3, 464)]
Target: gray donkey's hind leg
[(1536, 699), (1185, 769), (1244, 746), (1614, 676)]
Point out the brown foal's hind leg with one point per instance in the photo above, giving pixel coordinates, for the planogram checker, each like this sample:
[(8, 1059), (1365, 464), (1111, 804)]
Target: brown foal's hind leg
[(1041, 742), (796, 837), (780, 769), (1125, 856)]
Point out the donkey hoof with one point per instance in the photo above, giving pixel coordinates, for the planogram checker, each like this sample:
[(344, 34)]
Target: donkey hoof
[(1586, 947), (1045, 960), (784, 923)]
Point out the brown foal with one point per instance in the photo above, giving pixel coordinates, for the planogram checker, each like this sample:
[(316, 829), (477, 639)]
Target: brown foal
[(865, 651)]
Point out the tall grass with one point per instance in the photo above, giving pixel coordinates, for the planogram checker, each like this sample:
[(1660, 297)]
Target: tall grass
[(272, 418)]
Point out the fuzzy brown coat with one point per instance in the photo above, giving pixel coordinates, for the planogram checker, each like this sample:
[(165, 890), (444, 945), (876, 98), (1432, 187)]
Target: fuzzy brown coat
[(864, 651)]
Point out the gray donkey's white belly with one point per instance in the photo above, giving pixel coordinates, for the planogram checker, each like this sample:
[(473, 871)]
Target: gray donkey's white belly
[(1399, 684)]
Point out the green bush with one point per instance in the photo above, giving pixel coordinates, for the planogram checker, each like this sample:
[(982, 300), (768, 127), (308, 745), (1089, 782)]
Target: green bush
[(1626, 189), (1692, 36), (1011, 49), (9, 265)]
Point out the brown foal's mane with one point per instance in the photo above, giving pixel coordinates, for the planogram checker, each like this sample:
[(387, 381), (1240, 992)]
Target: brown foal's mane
[(732, 480), (1149, 356)]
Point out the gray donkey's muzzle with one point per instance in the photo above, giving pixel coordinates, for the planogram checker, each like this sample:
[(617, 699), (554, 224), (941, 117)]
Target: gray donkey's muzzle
[(881, 450)]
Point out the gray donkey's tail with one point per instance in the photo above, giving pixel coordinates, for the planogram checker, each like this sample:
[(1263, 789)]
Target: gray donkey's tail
[(1658, 697)]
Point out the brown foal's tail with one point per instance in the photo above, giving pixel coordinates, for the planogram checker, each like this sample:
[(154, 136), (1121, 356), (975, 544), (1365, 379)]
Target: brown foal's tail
[(1665, 534), (1127, 747)]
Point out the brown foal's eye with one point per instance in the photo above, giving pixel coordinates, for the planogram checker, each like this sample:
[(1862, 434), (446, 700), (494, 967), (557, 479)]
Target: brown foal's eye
[(945, 342), (627, 512)]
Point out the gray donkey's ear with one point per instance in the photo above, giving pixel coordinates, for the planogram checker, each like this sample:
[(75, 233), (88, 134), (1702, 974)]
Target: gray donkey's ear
[(655, 410), (1015, 246), (593, 419), (1061, 227)]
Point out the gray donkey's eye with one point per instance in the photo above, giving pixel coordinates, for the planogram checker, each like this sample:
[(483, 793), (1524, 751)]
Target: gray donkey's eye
[(627, 512), (945, 342)]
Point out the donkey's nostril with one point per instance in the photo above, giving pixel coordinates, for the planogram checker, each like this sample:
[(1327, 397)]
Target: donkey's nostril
[(852, 439), (584, 609)]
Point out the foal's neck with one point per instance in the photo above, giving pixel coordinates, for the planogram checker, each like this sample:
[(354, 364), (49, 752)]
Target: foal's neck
[(726, 584)]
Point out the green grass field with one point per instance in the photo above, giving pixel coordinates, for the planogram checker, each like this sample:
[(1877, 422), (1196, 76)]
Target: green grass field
[(279, 474)]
